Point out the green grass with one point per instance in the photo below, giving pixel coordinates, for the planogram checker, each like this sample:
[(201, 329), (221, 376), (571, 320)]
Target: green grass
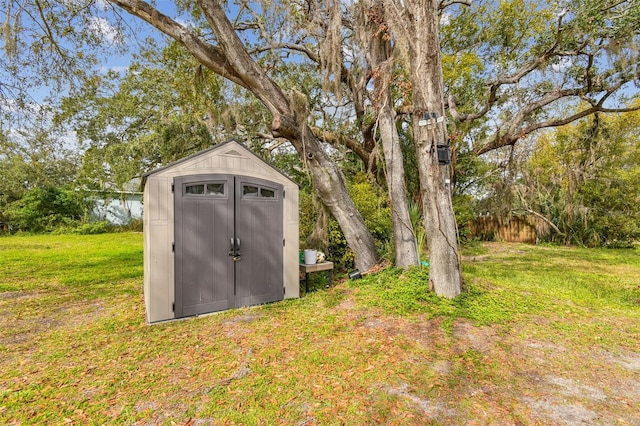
[(92, 264), (531, 281), (75, 348)]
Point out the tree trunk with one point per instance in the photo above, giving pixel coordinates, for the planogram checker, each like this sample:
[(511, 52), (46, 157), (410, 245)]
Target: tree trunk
[(403, 233), (331, 188), (381, 61), (426, 76), (231, 60), (320, 235)]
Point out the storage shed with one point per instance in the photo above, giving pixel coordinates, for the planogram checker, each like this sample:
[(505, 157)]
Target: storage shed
[(220, 231)]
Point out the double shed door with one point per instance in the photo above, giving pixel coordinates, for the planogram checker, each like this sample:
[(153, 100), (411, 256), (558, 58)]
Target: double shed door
[(228, 243)]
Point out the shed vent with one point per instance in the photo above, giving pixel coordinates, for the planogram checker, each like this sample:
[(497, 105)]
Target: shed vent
[(233, 152)]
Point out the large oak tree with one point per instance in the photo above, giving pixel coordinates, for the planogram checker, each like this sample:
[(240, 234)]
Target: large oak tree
[(506, 69)]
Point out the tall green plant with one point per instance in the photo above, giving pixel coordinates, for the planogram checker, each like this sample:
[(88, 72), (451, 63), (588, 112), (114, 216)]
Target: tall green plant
[(415, 213)]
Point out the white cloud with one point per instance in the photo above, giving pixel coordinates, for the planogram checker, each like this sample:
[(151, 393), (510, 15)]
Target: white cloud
[(82, 4), (186, 23), (102, 4), (115, 68), (561, 65), (102, 27), (12, 106)]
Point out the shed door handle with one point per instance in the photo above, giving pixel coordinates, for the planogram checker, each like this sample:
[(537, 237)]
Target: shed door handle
[(234, 249)]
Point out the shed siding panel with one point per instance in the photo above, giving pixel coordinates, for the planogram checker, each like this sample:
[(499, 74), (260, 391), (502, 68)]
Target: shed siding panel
[(158, 260), (224, 162), (256, 168), (151, 200), (227, 163), (146, 254), (292, 246), (233, 163), (163, 197), (291, 204), (240, 164), (161, 275)]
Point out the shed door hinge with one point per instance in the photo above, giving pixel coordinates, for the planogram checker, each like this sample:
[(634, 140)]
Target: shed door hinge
[(283, 243), (284, 194), (173, 247), (173, 187), (173, 307)]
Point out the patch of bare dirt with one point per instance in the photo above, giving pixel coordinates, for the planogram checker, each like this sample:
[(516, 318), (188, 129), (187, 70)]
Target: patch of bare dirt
[(24, 323), (476, 258), (426, 334), (538, 381), (571, 387), (563, 384), (441, 366), (240, 325), (627, 360), (431, 409), (544, 346), (8, 295), (561, 414), (482, 339), (79, 314), (346, 305), (244, 318)]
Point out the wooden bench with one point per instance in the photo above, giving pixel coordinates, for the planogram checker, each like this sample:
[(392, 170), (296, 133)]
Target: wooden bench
[(317, 267)]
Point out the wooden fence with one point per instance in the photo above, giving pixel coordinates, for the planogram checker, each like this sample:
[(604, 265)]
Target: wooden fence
[(515, 229)]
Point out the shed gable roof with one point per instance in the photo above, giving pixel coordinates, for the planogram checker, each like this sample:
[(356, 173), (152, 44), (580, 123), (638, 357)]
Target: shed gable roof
[(230, 148)]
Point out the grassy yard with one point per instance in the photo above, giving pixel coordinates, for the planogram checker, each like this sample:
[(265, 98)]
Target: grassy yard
[(542, 335)]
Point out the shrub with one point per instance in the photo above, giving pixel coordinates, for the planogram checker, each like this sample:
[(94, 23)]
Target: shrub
[(46, 209), (373, 204), (134, 225), (98, 227)]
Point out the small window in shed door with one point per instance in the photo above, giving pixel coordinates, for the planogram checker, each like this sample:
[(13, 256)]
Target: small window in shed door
[(194, 189), (251, 191), (215, 188), (209, 188), (267, 193)]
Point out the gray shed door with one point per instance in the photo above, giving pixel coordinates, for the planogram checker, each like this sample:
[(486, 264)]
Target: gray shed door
[(228, 243)]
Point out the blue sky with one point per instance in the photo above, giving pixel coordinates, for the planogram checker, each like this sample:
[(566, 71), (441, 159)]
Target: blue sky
[(111, 57)]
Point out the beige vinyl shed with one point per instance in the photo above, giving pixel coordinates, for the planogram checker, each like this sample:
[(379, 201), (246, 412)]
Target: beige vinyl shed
[(220, 232)]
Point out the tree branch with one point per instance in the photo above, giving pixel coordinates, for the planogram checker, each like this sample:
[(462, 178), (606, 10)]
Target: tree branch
[(338, 139), (210, 56), (544, 219), (516, 132), (446, 3), (513, 78), (45, 23), (289, 46)]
